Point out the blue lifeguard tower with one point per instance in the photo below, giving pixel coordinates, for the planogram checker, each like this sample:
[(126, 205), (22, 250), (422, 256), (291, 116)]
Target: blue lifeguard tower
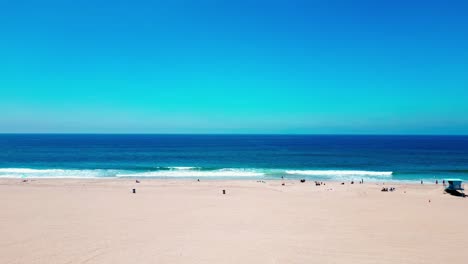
[(454, 185)]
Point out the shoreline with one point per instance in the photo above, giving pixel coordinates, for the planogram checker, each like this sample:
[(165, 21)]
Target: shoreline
[(211, 173), (213, 179)]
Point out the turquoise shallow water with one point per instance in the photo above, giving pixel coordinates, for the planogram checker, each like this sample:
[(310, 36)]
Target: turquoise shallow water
[(322, 157)]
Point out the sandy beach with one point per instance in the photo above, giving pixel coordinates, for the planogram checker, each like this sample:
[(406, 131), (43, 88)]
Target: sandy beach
[(185, 221)]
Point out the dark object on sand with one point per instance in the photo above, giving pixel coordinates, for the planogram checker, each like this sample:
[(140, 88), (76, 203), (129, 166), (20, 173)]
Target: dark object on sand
[(302, 180), (282, 184), (342, 183), (137, 181), (198, 180), (224, 191), (134, 190), (352, 182), (455, 193), (455, 187)]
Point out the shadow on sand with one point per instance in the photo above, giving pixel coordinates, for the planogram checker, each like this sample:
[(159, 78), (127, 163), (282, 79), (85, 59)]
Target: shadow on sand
[(455, 193)]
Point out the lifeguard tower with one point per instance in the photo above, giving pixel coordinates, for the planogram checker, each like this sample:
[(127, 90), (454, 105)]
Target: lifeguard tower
[(454, 185)]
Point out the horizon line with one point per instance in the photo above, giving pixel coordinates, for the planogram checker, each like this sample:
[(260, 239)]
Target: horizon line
[(226, 134)]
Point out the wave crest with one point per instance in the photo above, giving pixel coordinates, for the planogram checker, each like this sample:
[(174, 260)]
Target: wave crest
[(339, 173), (194, 173), (55, 173), (191, 172)]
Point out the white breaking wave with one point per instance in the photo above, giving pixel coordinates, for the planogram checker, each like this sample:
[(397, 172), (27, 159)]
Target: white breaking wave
[(339, 173), (54, 173), (188, 172), (192, 173), (24, 170), (97, 173), (183, 168)]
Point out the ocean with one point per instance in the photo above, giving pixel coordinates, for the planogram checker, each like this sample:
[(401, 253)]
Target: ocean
[(313, 157)]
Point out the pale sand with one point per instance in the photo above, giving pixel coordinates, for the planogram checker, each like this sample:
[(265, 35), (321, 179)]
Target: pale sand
[(184, 221)]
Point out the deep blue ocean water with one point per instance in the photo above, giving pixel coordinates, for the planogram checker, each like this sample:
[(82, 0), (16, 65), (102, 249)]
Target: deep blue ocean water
[(323, 157)]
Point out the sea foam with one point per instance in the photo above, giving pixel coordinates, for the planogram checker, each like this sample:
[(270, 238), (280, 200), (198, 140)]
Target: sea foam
[(193, 172), (55, 173), (198, 173), (339, 173)]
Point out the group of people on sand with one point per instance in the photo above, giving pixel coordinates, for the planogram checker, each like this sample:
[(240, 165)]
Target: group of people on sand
[(352, 182), (436, 182), (385, 189)]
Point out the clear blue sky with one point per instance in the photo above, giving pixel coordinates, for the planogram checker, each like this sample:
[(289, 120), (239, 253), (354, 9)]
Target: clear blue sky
[(234, 66)]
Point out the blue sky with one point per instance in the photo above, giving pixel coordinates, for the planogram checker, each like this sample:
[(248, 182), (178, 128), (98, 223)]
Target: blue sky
[(372, 67)]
